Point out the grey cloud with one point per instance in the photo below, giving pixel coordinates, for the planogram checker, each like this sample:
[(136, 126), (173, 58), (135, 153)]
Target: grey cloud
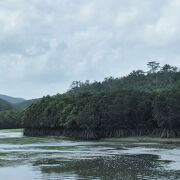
[(45, 44)]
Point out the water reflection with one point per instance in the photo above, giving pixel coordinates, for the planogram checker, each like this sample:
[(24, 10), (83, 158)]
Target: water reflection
[(125, 167), (116, 167), (55, 158)]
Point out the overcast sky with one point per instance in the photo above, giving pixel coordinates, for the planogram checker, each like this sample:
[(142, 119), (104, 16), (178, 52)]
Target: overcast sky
[(46, 44)]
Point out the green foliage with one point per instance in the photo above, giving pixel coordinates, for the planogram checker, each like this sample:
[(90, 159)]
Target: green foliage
[(5, 105), (25, 104), (153, 66), (166, 109), (138, 101), (11, 115), (11, 119)]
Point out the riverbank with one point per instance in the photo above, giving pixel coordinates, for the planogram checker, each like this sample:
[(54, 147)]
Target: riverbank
[(144, 139), (96, 134)]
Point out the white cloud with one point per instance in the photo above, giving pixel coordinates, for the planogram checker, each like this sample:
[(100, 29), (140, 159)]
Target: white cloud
[(45, 44), (165, 31)]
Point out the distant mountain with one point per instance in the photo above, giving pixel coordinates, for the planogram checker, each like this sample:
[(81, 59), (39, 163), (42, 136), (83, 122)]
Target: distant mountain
[(25, 104), (12, 100), (4, 105)]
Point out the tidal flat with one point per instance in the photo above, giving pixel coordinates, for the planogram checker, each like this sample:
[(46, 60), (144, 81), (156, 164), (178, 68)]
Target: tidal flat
[(54, 158)]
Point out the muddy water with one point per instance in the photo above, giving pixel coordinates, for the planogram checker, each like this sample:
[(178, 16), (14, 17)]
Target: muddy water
[(30, 158)]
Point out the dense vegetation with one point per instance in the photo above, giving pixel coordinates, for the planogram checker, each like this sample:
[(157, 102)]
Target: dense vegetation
[(25, 104), (142, 103), (12, 112), (11, 119), (5, 105), (138, 104)]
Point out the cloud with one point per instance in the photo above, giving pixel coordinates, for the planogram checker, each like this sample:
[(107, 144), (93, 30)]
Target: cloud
[(165, 30), (45, 45)]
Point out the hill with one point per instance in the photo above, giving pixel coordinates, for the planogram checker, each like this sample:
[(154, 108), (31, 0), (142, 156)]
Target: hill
[(18, 103), (11, 100), (25, 104), (11, 114), (4, 106)]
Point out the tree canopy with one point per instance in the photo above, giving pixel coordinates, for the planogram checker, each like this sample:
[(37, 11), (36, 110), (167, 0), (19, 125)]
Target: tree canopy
[(140, 100)]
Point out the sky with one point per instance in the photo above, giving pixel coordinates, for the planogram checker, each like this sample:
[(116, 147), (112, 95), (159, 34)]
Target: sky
[(47, 44)]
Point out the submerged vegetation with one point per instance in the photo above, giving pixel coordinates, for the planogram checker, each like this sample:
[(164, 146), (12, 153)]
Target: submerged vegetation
[(142, 103)]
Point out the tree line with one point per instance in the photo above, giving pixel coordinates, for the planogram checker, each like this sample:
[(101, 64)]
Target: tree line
[(10, 117), (141, 103)]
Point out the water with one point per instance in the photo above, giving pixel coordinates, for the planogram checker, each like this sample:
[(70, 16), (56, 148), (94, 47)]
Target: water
[(30, 158)]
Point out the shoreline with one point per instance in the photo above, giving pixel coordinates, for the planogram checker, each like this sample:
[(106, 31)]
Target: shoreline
[(116, 135), (144, 139), (129, 139)]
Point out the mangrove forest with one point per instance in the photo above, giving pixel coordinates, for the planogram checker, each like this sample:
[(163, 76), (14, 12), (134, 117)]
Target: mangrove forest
[(139, 104)]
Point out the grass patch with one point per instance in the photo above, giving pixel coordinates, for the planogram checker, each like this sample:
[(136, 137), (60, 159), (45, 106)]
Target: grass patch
[(144, 139), (11, 130)]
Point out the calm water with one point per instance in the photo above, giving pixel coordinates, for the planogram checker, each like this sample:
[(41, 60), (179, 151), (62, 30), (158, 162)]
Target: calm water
[(26, 158)]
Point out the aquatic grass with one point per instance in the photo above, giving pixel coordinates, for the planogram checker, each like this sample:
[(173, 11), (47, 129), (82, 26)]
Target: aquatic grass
[(103, 159), (11, 130), (24, 140), (144, 139)]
